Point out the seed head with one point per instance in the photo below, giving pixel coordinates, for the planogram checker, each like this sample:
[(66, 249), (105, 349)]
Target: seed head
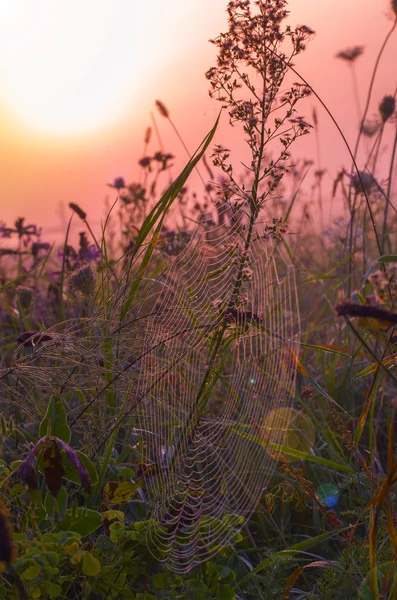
[(394, 6), (387, 106), (369, 128), (79, 211), (83, 280), (148, 135), (163, 110)]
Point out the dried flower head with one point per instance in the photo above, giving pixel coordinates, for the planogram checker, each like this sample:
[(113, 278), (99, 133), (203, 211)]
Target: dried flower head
[(369, 128), (351, 54), (163, 110), (364, 180), (79, 211), (387, 107), (394, 6), (83, 280)]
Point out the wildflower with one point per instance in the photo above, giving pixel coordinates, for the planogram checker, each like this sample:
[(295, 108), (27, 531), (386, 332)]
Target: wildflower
[(47, 451), (362, 181), (164, 159), (351, 54), (87, 252), (24, 296), (83, 280), (163, 110), (145, 161), (38, 246), (255, 42), (91, 253), (5, 232), (386, 107), (246, 274), (118, 183), (301, 123)]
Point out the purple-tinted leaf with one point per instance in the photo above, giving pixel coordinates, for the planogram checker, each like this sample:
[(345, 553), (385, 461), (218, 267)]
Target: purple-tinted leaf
[(76, 461), (26, 468)]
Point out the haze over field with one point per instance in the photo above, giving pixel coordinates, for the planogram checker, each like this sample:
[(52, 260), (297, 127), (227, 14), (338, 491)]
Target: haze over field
[(79, 83)]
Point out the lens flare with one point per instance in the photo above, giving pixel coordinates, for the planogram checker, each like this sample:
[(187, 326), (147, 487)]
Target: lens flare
[(328, 495), (286, 429)]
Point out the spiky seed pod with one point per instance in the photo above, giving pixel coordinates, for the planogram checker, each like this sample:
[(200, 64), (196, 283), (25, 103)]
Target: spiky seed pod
[(79, 211), (163, 110), (24, 296), (387, 106), (83, 280)]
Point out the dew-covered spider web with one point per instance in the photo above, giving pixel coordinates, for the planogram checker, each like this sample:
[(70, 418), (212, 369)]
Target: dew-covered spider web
[(217, 361)]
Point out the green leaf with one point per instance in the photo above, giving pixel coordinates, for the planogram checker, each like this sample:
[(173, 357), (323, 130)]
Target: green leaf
[(55, 422), (56, 507), (119, 492), (31, 572), (91, 565), (81, 520), (295, 549), (388, 362), (154, 221), (331, 348), (53, 589), (388, 258), (325, 462), (105, 544), (15, 464), (224, 592)]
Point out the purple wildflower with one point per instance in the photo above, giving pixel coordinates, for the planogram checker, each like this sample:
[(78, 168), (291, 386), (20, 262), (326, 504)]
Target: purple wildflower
[(5, 232), (118, 183)]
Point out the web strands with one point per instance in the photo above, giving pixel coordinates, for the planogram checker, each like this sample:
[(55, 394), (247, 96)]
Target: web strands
[(221, 362)]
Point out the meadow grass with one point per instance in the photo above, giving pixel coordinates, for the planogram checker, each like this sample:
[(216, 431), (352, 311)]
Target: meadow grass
[(200, 402)]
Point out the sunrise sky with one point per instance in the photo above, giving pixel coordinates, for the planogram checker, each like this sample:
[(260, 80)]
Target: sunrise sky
[(78, 81)]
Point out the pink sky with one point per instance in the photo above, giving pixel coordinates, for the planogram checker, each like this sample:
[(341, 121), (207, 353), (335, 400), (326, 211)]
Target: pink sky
[(40, 170)]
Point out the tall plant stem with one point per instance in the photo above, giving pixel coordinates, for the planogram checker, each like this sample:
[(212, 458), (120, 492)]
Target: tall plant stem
[(389, 186), (203, 395)]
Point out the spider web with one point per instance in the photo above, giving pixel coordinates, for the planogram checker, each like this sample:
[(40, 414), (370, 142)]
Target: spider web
[(216, 361)]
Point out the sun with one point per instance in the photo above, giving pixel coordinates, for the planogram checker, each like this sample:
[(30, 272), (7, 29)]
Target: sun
[(73, 66)]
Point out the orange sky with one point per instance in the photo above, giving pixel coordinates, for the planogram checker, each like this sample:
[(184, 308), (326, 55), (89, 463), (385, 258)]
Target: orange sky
[(146, 50)]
